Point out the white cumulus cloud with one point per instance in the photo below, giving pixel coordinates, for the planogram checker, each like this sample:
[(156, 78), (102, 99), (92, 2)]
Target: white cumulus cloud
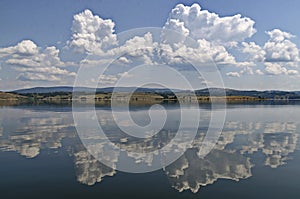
[(247, 70), (256, 52), (37, 77), (280, 48), (215, 40), (212, 35), (233, 74), (34, 63), (259, 72), (25, 47), (278, 69), (202, 24), (278, 54), (92, 33), (203, 51)]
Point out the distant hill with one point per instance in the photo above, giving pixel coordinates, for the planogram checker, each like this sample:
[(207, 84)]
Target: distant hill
[(163, 91), (250, 93), (142, 90), (69, 89), (10, 96)]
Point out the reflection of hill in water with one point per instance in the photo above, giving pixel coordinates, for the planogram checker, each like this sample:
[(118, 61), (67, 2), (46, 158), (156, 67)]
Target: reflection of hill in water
[(28, 132)]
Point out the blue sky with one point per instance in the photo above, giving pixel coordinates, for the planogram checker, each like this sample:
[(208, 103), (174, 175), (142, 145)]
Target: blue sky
[(49, 23), (32, 19)]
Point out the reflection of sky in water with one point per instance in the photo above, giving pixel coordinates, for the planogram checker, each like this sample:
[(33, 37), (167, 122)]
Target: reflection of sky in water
[(268, 132)]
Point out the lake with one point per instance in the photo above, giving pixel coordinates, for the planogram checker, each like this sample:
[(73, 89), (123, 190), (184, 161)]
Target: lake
[(256, 156)]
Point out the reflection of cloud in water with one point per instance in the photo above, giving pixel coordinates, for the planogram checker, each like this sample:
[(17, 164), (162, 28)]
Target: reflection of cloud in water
[(274, 127), (32, 131), (89, 170), (191, 172), (277, 140), (29, 132), (278, 146), (231, 157)]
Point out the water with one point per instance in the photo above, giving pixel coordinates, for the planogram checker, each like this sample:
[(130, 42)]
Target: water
[(257, 156)]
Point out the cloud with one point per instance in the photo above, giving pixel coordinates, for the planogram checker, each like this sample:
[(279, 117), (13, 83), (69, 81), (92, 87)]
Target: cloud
[(177, 26), (278, 53), (245, 64), (48, 70), (216, 39), (47, 57), (259, 72), (124, 60), (279, 48), (293, 72), (139, 48), (277, 35), (203, 52), (92, 33), (233, 74), (278, 69), (217, 52), (211, 33), (214, 34), (202, 24), (35, 63), (275, 69), (256, 52), (25, 47), (37, 77), (105, 79), (247, 70)]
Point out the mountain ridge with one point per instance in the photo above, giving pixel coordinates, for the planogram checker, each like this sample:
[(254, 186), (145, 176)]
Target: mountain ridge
[(200, 92)]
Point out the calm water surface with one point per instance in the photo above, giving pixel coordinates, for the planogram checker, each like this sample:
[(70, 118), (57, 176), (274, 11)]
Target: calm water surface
[(257, 156)]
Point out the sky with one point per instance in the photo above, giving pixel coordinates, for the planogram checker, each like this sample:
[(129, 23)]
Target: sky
[(254, 44)]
